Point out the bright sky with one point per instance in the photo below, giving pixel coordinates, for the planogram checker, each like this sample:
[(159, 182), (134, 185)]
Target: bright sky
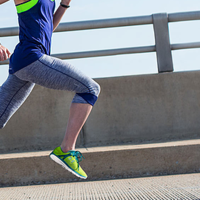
[(111, 38)]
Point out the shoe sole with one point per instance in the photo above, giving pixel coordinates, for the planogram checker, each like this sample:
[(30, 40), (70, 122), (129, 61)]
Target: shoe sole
[(57, 160)]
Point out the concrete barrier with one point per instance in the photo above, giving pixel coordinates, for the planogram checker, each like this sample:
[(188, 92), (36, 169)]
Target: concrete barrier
[(135, 109), (121, 161), (146, 108)]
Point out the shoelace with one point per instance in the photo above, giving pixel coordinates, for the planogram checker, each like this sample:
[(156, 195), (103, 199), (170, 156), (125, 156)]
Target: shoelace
[(77, 154)]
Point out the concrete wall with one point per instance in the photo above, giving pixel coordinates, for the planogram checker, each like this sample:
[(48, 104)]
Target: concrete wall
[(136, 109)]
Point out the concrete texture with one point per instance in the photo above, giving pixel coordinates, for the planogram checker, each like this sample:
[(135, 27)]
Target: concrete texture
[(112, 162), (147, 108), (135, 109), (179, 187)]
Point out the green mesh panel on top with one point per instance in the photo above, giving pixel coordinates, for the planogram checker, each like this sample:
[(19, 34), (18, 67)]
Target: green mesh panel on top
[(26, 6)]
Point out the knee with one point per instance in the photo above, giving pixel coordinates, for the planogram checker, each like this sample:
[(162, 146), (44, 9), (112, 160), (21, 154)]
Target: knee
[(96, 89), (89, 97)]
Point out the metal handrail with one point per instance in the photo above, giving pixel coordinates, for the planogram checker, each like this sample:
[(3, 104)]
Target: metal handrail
[(184, 16), (110, 23), (90, 24), (111, 52)]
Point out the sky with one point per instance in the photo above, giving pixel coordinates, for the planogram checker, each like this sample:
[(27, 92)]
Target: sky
[(111, 38)]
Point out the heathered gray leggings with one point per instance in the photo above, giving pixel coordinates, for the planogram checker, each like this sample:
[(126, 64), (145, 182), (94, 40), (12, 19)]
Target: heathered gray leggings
[(48, 72)]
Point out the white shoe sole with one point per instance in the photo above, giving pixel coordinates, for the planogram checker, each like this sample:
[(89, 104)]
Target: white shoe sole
[(57, 160)]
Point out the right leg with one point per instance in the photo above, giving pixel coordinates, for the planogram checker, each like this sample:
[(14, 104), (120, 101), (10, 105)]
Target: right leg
[(57, 74), (12, 95)]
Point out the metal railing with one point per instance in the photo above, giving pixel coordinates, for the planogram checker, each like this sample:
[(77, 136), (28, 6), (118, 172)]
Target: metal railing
[(160, 22)]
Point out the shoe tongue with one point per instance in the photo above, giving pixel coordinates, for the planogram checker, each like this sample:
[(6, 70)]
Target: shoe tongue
[(71, 152)]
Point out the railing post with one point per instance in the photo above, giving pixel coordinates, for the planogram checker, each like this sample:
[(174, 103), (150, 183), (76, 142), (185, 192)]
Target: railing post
[(163, 48)]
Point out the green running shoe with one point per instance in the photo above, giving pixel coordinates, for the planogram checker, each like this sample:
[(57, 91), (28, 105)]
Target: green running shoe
[(69, 161)]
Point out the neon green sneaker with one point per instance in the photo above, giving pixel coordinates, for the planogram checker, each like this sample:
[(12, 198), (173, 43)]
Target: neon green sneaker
[(69, 161)]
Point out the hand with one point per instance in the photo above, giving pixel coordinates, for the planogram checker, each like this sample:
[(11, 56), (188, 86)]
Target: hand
[(66, 2), (4, 53)]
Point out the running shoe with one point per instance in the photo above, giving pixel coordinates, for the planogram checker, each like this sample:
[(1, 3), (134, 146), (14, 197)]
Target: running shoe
[(69, 161)]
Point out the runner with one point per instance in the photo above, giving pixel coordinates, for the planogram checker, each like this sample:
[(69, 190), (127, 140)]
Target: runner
[(31, 64)]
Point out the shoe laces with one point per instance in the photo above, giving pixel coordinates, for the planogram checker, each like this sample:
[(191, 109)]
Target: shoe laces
[(78, 156)]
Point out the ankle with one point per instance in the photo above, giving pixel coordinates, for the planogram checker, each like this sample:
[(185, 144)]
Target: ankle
[(66, 149)]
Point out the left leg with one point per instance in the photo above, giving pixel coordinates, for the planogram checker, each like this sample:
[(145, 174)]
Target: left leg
[(77, 117), (57, 74)]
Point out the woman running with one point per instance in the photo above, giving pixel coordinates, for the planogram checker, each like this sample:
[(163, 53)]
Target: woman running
[(31, 64)]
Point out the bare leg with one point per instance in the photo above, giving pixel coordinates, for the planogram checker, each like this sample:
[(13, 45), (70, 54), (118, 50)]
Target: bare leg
[(77, 117)]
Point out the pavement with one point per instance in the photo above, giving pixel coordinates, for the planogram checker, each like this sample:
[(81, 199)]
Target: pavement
[(170, 187)]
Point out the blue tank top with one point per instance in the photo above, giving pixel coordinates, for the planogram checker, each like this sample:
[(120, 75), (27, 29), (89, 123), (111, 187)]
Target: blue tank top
[(35, 19)]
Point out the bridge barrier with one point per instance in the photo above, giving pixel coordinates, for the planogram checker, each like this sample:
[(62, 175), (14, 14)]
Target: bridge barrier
[(133, 109), (160, 22)]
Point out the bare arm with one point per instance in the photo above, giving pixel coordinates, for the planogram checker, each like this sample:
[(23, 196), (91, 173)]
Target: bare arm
[(3, 1), (59, 13)]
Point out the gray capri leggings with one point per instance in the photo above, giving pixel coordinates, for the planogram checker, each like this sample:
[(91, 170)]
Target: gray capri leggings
[(49, 72)]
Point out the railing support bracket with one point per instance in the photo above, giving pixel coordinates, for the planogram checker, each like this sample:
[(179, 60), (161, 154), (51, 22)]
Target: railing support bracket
[(163, 48)]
